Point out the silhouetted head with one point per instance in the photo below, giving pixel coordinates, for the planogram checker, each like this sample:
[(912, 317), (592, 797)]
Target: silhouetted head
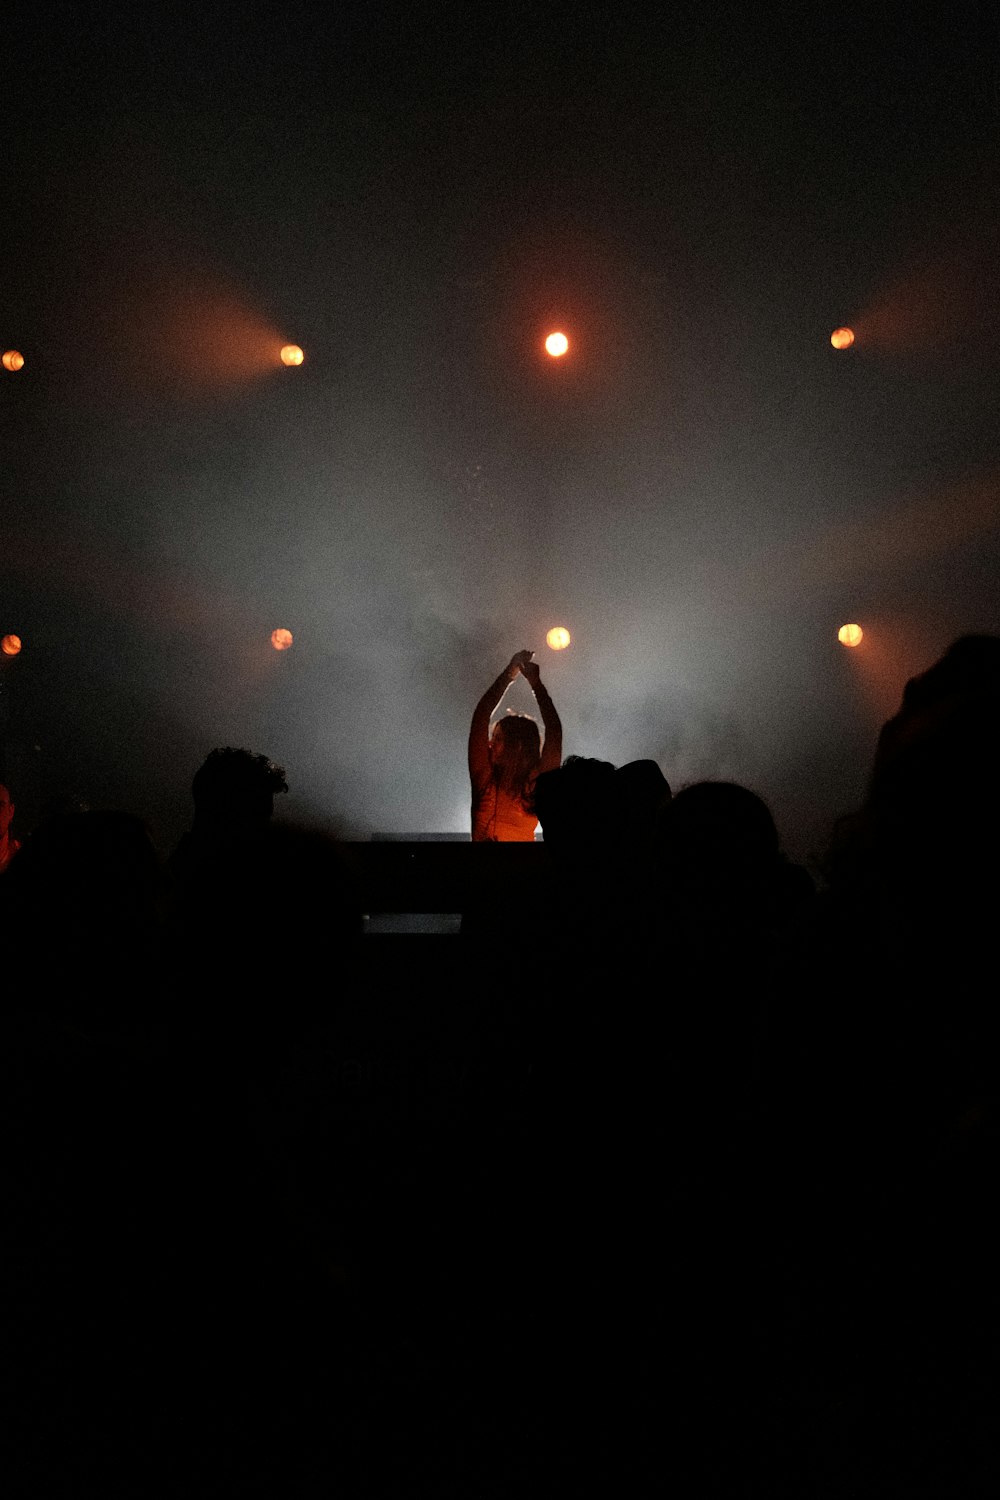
[(970, 665), (515, 752), (576, 804), (944, 735), (641, 793), (934, 797), (234, 791), (720, 821)]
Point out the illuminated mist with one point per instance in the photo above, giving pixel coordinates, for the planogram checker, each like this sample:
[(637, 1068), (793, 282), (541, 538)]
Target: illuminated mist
[(701, 489)]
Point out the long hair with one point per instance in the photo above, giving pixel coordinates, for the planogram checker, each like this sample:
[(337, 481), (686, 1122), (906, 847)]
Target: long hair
[(517, 763)]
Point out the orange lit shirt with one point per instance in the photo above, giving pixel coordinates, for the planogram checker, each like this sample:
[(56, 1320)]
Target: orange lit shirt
[(498, 817)]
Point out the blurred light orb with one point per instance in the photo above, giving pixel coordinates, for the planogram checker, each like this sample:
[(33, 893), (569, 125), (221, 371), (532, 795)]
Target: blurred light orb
[(10, 645), (13, 360), (281, 639), (850, 635), (556, 344), (558, 638), (291, 354), (842, 338)]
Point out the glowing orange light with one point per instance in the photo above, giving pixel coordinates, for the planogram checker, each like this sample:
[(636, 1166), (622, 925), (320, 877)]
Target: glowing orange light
[(281, 639), (558, 638), (10, 645), (13, 360), (556, 344), (842, 338), (292, 355), (850, 635)]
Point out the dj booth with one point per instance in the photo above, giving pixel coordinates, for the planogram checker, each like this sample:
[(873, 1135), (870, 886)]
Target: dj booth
[(401, 879)]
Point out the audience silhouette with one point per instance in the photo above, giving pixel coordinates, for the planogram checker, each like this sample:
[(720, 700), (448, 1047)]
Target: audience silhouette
[(703, 1197)]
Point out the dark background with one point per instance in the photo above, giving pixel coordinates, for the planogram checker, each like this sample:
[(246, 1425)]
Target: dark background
[(702, 491)]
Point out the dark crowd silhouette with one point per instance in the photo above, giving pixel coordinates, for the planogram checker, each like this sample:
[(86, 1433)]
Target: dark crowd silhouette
[(672, 1171)]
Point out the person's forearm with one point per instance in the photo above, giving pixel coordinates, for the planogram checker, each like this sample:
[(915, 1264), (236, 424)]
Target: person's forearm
[(479, 731), (552, 752), (545, 705), (494, 693)]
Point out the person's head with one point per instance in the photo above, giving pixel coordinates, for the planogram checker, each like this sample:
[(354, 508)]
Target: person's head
[(641, 793), (719, 825), (933, 802), (6, 811), (944, 733), (234, 790), (515, 751), (576, 803)]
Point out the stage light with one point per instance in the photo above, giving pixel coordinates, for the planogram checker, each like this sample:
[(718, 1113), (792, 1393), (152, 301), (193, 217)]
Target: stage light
[(842, 338), (10, 645), (850, 635), (13, 360), (556, 344), (281, 639), (558, 638), (292, 355)]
